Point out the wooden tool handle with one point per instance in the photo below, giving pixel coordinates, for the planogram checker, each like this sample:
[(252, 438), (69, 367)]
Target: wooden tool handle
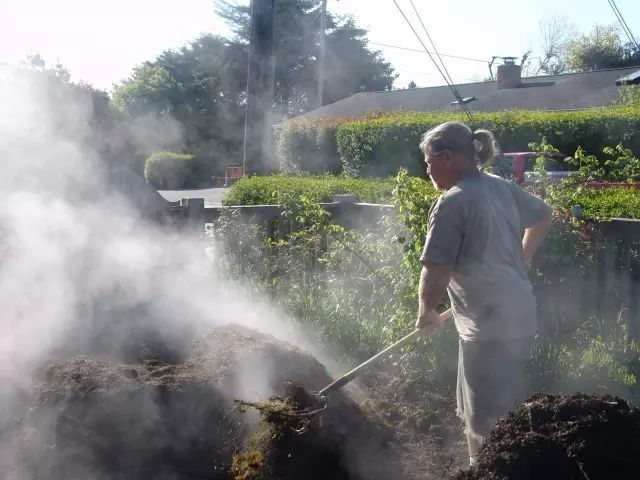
[(342, 381)]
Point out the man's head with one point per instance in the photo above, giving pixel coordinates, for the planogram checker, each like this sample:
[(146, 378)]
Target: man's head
[(452, 150)]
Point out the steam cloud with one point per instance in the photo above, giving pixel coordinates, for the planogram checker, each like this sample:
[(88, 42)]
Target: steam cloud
[(81, 270)]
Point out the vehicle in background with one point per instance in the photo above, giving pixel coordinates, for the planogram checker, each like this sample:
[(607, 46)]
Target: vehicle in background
[(521, 166)]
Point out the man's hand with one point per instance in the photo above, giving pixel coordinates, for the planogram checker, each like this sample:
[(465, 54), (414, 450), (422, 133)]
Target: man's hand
[(430, 318)]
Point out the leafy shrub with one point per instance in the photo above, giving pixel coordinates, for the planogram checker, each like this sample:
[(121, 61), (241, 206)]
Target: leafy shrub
[(617, 164), (629, 95), (597, 204), (170, 170), (380, 146), (334, 280), (358, 290), (309, 146), (257, 190), (414, 197)]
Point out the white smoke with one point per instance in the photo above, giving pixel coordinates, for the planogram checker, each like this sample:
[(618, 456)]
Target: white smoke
[(81, 270)]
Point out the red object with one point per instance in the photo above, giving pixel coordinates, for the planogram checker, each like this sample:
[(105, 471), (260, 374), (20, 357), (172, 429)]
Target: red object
[(234, 172), (524, 162)]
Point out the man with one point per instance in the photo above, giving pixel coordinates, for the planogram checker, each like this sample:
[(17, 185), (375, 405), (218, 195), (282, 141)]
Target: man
[(483, 233)]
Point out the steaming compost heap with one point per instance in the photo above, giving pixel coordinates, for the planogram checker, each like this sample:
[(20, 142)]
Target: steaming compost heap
[(158, 419), (573, 436)]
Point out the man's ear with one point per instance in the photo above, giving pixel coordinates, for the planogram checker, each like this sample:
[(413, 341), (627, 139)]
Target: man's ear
[(446, 157)]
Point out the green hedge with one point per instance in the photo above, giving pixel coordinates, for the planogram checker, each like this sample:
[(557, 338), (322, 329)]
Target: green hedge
[(417, 195), (309, 146), (170, 170), (265, 190), (380, 146), (598, 204)]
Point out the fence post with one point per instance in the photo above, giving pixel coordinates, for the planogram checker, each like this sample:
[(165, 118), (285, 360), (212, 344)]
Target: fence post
[(597, 280), (609, 266), (194, 212)]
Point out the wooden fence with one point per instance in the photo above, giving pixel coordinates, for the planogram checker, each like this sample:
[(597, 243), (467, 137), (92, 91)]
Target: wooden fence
[(604, 284), (344, 211), (601, 283), (618, 271)]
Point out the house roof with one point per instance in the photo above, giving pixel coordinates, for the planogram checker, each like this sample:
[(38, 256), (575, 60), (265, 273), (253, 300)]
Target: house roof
[(571, 91)]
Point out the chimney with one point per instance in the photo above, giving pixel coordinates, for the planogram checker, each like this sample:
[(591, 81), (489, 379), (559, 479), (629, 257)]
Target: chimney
[(509, 74)]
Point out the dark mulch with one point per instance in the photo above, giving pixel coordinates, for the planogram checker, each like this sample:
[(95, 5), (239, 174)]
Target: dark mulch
[(164, 419), (574, 436)]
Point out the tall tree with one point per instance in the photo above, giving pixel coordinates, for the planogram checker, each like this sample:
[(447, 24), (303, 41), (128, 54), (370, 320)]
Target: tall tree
[(601, 48), (555, 35), (350, 66), (202, 85)]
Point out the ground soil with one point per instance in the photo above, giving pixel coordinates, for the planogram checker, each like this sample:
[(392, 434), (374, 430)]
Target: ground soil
[(173, 416), (422, 416), (92, 418), (573, 436)]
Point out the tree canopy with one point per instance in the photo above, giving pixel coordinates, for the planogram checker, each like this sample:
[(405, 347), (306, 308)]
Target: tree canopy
[(200, 86), (561, 49), (203, 84), (350, 66), (601, 48)]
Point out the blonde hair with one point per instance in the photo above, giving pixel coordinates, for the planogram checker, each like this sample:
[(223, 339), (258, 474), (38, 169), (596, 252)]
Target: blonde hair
[(479, 145)]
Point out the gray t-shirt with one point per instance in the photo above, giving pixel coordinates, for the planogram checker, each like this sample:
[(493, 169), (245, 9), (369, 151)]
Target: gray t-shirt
[(476, 227)]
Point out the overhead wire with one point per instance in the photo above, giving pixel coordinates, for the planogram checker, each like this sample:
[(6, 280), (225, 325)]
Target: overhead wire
[(424, 28), (625, 26), (422, 51), (451, 86)]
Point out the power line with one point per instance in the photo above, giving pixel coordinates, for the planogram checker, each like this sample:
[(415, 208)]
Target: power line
[(422, 51), (415, 10), (450, 85), (625, 27)]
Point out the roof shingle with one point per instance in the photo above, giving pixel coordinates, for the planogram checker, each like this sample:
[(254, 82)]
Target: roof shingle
[(554, 92)]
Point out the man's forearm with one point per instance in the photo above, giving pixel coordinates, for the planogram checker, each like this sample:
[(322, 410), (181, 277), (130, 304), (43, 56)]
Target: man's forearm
[(434, 279), (534, 236)]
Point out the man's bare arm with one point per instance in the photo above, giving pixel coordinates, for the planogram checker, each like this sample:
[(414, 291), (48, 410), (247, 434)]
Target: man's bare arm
[(533, 237), (434, 279)]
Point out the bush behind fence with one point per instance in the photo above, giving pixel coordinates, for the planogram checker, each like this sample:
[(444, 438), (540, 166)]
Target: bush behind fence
[(379, 145)]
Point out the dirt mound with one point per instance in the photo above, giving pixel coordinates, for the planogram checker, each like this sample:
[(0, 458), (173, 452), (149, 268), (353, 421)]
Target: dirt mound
[(97, 419), (573, 436)]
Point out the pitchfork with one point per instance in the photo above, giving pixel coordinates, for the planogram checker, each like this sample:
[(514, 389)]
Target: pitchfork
[(321, 396)]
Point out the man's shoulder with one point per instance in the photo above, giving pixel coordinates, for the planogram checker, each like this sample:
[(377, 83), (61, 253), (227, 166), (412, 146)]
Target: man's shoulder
[(488, 181), (474, 190), (453, 198), (493, 178)]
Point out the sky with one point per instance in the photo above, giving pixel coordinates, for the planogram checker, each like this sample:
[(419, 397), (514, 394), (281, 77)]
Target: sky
[(100, 43)]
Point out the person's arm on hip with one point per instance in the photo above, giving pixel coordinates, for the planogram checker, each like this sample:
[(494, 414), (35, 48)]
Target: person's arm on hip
[(536, 217), (533, 238)]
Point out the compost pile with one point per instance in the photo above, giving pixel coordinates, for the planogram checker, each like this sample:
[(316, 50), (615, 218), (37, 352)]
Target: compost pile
[(163, 419), (573, 436)]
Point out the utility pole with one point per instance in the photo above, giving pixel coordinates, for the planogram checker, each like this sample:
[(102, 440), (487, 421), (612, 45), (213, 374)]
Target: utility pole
[(323, 53), (257, 152), (493, 59)]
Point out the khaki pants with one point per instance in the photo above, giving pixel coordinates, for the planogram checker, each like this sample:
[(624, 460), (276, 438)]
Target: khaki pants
[(491, 382)]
